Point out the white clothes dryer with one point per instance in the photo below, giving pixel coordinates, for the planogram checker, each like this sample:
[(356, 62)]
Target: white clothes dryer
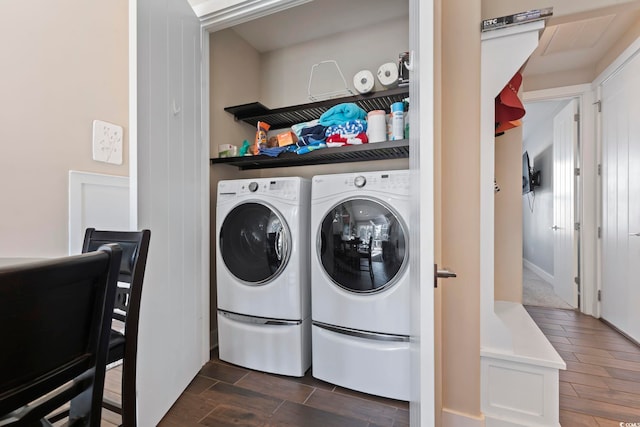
[(262, 272), (360, 281)]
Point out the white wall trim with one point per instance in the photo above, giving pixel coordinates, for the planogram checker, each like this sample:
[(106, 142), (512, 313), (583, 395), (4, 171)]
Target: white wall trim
[(451, 418), (87, 188), (217, 15), (205, 264), (540, 272), (555, 93), (133, 114)]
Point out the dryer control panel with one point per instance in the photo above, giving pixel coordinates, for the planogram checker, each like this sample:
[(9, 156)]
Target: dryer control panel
[(392, 181), (283, 188)]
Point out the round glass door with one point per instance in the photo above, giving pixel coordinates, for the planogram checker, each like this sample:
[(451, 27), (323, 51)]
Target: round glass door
[(254, 243), (363, 245)]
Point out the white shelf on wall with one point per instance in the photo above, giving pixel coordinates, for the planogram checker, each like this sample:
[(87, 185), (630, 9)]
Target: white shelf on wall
[(519, 367)]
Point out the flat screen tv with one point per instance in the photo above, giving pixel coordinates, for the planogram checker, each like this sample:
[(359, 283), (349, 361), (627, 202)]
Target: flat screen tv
[(527, 182)]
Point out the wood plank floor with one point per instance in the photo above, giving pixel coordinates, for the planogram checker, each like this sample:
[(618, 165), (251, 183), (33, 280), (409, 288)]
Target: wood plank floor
[(601, 386), (226, 395)]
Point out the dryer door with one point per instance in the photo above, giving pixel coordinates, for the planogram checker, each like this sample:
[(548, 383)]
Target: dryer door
[(363, 245), (255, 243)]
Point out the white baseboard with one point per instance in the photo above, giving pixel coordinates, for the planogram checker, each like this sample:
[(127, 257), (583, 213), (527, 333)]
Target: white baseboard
[(540, 272), (451, 418)]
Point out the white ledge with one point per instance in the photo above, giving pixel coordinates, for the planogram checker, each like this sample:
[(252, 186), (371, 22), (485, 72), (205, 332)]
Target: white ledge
[(529, 343), (513, 29)]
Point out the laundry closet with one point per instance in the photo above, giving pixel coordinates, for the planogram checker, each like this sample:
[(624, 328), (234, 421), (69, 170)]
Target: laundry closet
[(306, 54)]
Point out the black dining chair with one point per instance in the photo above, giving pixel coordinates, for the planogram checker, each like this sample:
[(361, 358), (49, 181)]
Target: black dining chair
[(54, 324), (124, 345)]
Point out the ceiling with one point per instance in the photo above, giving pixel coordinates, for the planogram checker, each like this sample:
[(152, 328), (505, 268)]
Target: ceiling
[(569, 42), (579, 42), (316, 19)]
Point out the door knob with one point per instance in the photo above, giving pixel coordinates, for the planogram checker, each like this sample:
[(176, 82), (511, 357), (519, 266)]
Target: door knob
[(635, 234), (441, 274), (555, 227)]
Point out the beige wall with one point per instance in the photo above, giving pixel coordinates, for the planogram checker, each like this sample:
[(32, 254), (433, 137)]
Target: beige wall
[(508, 217), (63, 66), (460, 205), (616, 50)]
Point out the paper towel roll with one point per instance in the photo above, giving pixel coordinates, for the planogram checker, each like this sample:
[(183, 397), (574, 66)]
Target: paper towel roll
[(363, 81), (388, 74)]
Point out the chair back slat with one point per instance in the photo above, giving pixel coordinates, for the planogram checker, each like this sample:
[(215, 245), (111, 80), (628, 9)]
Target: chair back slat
[(135, 247), (55, 324)]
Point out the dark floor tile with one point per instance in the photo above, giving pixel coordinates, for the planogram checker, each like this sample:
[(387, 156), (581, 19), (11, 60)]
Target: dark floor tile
[(600, 409), (631, 357), (199, 384), (567, 355), (275, 386), (295, 415), (623, 374), (383, 400), (232, 416), (188, 410), (311, 381), (228, 394), (576, 419), (353, 407), (623, 385), (582, 349), (610, 396), (567, 389), (401, 418), (227, 373)]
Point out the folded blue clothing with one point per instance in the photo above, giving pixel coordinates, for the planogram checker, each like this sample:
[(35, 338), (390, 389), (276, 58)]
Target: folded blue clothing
[(342, 113), (313, 133), (273, 151), (351, 127)]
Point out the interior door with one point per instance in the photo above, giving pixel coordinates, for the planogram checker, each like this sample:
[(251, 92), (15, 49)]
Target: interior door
[(421, 163), (170, 190), (565, 137), (620, 292)]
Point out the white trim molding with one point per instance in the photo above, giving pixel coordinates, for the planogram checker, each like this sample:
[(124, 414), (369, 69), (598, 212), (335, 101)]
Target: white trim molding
[(540, 272), (217, 15), (451, 418), (96, 200)]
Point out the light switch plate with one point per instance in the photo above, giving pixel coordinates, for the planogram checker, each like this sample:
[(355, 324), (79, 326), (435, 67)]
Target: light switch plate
[(107, 142)]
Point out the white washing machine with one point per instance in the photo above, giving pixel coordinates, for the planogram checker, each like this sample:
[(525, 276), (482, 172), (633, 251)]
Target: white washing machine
[(263, 280), (360, 281)]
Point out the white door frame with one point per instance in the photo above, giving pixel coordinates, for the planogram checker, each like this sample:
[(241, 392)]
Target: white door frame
[(233, 12), (586, 192)]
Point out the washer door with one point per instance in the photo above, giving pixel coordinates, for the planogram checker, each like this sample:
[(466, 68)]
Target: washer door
[(255, 243), (363, 245)]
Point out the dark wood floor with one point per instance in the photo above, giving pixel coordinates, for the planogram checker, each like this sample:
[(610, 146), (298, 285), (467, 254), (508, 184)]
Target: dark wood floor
[(601, 386), (226, 395)]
